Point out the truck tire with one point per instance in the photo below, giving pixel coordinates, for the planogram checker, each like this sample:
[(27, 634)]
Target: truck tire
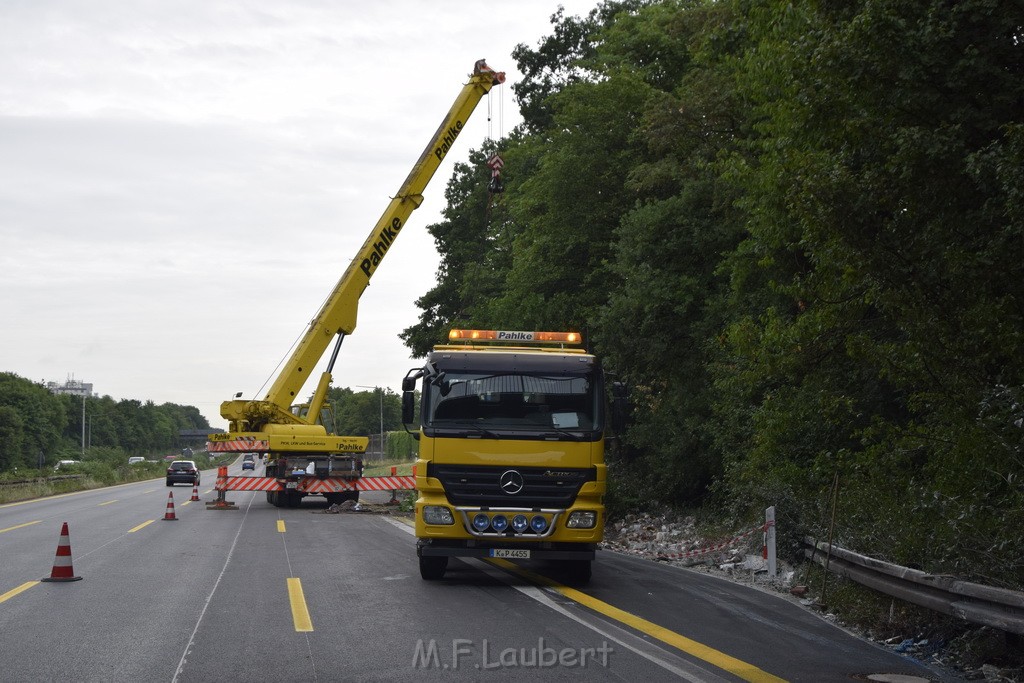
[(432, 568), (577, 572), (292, 498)]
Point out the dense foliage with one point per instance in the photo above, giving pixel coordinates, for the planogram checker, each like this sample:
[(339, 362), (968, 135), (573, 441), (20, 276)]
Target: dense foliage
[(364, 413), (38, 428), (797, 230)]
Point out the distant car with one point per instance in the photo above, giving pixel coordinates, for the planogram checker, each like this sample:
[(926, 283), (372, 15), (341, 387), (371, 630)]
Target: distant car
[(66, 463), (182, 471), (135, 460), (248, 465)]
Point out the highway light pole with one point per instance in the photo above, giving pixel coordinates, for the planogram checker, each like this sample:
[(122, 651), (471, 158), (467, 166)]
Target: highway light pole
[(381, 391)]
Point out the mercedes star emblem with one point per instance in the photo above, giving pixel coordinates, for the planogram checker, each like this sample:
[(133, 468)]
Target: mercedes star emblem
[(511, 482)]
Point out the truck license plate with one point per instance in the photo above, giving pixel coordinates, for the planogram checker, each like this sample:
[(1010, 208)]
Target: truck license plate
[(292, 485), (510, 553)]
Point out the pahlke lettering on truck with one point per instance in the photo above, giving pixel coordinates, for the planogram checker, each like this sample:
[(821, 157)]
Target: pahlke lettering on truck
[(387, 236), (447, 140), (515, 336)]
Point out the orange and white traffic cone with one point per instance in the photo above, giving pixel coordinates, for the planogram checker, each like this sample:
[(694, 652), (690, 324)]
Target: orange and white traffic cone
[(169, 515), (195, 493), (62, 569)]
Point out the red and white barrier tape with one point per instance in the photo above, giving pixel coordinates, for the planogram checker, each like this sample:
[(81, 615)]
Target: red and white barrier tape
[(311, 485)]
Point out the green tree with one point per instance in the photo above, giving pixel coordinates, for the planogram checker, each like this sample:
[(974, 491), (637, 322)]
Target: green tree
[(879, 325), (34, 420), (358, 413), (12, 437)]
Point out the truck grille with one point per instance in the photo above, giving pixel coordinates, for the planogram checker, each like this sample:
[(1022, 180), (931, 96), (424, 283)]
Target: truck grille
[(542, 487)]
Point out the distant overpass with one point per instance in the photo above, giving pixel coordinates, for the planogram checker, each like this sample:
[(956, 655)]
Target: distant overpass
[(194, 438)]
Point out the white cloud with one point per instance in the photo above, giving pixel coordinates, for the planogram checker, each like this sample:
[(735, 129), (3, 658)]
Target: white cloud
[(181, 183)]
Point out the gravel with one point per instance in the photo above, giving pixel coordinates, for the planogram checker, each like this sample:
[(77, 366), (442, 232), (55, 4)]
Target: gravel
[(972, 653)]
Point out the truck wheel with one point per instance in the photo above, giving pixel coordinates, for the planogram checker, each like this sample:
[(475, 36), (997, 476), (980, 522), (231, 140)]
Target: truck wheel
[(432, 568), (293, 499), (578, 572)]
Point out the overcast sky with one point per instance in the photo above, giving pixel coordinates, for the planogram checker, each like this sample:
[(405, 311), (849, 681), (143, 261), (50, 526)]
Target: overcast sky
[(182, 182)]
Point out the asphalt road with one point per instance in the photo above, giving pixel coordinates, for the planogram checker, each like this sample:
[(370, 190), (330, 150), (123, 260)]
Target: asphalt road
[(264, 593)]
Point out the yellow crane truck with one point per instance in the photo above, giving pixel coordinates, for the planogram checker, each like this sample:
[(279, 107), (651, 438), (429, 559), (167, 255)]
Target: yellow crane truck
[(511, 449), (303, 455)]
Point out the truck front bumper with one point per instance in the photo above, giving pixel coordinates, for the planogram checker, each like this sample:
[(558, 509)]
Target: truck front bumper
[(435, 547)]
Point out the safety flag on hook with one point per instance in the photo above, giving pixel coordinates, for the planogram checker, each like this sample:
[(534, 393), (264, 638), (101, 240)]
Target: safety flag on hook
[(496, 163)]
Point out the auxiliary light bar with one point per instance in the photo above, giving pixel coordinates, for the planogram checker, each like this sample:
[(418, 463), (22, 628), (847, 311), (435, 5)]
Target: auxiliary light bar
[(511, 336)]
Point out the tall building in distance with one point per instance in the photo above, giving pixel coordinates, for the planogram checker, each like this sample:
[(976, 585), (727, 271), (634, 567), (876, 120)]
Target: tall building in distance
[(71, 386)]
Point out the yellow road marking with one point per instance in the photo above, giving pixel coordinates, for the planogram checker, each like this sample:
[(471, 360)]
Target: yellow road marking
[(108, 502), (300, 614), (144, 524), (186, 502), (12, 528), (20, 589), (280, 525), (737, 667)]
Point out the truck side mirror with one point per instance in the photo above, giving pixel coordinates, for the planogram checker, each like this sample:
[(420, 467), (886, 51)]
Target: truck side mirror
[(408, 406)]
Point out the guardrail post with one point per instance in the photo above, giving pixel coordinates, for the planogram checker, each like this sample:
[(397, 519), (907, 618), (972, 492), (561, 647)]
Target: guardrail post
[(769, 528)]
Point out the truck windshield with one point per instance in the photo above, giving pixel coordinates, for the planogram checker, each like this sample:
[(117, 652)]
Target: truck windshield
[(518, 402)]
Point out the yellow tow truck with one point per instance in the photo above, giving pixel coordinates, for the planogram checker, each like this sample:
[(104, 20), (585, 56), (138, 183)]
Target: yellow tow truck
[(303, 455), (512, 428)]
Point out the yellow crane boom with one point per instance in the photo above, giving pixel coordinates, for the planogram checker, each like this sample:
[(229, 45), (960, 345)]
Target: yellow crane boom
[(273, 419)]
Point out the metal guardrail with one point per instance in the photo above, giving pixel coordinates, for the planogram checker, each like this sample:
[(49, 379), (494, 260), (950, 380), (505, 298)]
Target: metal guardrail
[(979, 604)]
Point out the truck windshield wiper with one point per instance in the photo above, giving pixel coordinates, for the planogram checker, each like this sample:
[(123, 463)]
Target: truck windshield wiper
[(468, 430), (571, 436)]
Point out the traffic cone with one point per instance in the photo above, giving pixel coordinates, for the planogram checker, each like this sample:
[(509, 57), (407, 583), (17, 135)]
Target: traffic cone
[(169, 515), (62, 569), (195, 493)]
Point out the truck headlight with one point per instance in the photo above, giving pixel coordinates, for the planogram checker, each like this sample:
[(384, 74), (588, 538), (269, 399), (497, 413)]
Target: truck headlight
[(582, 519), (481, 522), (437, 514)]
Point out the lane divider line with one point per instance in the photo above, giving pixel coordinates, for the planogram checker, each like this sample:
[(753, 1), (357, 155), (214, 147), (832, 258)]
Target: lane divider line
[(144, 524), (737, 667), (685, 669), (20, 526), (108, 502), (747, 672), (209, 598), (20, 589), (280, 525), (300, 613)]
